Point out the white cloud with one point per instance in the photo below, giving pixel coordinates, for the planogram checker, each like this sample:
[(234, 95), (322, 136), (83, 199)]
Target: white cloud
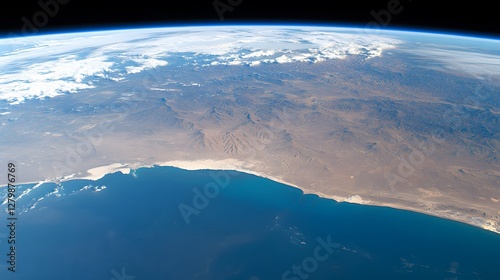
[(145, 64), (462, 60), (47, 66)]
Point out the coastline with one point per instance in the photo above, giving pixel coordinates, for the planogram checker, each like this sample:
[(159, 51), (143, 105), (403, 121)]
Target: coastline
[(99, 172)]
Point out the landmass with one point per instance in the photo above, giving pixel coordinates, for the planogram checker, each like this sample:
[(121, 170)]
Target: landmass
[(387, 131)]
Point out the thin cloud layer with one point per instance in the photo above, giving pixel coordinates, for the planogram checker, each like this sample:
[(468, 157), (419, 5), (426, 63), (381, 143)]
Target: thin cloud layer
[(48, 66)]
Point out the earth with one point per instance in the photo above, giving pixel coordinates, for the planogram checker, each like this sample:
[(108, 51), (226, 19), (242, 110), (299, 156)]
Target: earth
[(403, 119)]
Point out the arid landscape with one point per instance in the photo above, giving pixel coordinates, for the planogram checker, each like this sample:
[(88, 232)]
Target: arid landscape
[(393, 134)]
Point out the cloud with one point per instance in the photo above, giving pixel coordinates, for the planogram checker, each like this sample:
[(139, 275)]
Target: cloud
[(51, 65), (463, 60)]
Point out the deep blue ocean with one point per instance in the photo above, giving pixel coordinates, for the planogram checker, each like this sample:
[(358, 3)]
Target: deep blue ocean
[(232, 226)]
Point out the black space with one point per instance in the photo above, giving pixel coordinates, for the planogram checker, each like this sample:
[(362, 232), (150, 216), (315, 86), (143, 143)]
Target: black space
[(475, 18)]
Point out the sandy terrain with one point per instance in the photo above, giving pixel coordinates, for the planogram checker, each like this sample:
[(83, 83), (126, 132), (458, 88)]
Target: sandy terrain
[(370, 132)]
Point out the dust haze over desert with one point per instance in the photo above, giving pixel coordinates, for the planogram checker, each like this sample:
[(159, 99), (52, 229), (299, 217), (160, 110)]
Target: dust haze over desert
[(406, 120)]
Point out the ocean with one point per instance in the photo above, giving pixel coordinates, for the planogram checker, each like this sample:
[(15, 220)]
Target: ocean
[(169, 223)]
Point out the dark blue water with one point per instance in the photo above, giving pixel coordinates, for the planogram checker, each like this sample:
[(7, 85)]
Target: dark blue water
[(247, 228)]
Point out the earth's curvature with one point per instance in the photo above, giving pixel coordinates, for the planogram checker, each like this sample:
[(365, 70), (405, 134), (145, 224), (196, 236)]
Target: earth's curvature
[(395, 118), (403, 119)]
